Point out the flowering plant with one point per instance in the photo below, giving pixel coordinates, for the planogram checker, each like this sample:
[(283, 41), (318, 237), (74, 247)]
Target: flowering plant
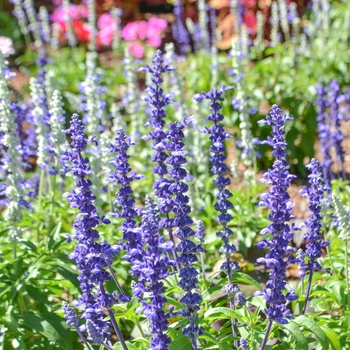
[(148, 32)]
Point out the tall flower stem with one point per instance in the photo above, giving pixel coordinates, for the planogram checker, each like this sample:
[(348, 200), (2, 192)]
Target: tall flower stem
[(121, 290), (267, 333), (113, 320), (347, 274), (41, 188), (307, 291), (83, 338)]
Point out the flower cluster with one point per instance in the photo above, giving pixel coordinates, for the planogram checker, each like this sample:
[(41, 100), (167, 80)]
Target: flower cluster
[(158, 101), (123, 176), (324, 134), (313, 236), (151, 269), (179, 30), (12, 160), (92, 258), (92, 100), (187, 250), (219, 168), (280, 205), (138, 31)]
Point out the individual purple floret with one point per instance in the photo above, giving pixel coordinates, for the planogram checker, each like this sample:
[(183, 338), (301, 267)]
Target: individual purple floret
[(277, 200), (92, 258), (151, 270), (179, 30), (313, 236), (219, 168), (187, 250), (123, 176)]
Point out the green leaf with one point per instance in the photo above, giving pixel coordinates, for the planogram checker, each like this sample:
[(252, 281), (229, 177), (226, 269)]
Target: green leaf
[(181, 343), (244, 278), (333, 338), (68, 275), (54, 235), (297, 335), (222, 311), (36, 323), (312, 326)]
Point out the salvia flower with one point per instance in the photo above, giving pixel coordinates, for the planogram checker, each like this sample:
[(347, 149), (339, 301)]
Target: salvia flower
[(324, 134), (92, 97), (12, 162), (277, 200), (313, 236), (92, 258), (336, 117), (70, 315), (219, 168), (151, 270), (157, 100), (187, 250), (123, 176), (42, 120), (58, 136), (33, 23), (179, 30), (243, 344)]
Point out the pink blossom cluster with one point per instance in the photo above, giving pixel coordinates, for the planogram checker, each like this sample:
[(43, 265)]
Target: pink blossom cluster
[(147, 31), (106, 23)]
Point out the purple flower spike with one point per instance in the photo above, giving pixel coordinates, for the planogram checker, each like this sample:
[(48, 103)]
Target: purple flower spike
[(179, 30), (123, 176), (280, 205), (218, 135), (313, 236), (187, 250), (92, 258), (151, 270)]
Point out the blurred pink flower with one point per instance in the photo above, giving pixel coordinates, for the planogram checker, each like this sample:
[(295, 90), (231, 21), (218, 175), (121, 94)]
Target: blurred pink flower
[(106, 20), (157, 23), (136, 49), (142, 29), (105, 36), (75, 11), (130, 31), (154, 41), (6, 46)]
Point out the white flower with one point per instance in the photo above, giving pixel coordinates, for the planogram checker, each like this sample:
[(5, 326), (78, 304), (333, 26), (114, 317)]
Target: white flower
[(6, 46)]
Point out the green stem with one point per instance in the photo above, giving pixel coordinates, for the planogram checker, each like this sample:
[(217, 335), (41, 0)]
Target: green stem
[(52, 205), (347, 274), (41, 188), (251, 322), (139, 327)]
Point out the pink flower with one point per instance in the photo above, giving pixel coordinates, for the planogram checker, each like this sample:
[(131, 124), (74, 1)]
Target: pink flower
[(136, 49), (58, 15), (130, 31), (249, 19), (142, 29), (106, 20), (105, 36), (6, 46), (157, 23), (154, 41)]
